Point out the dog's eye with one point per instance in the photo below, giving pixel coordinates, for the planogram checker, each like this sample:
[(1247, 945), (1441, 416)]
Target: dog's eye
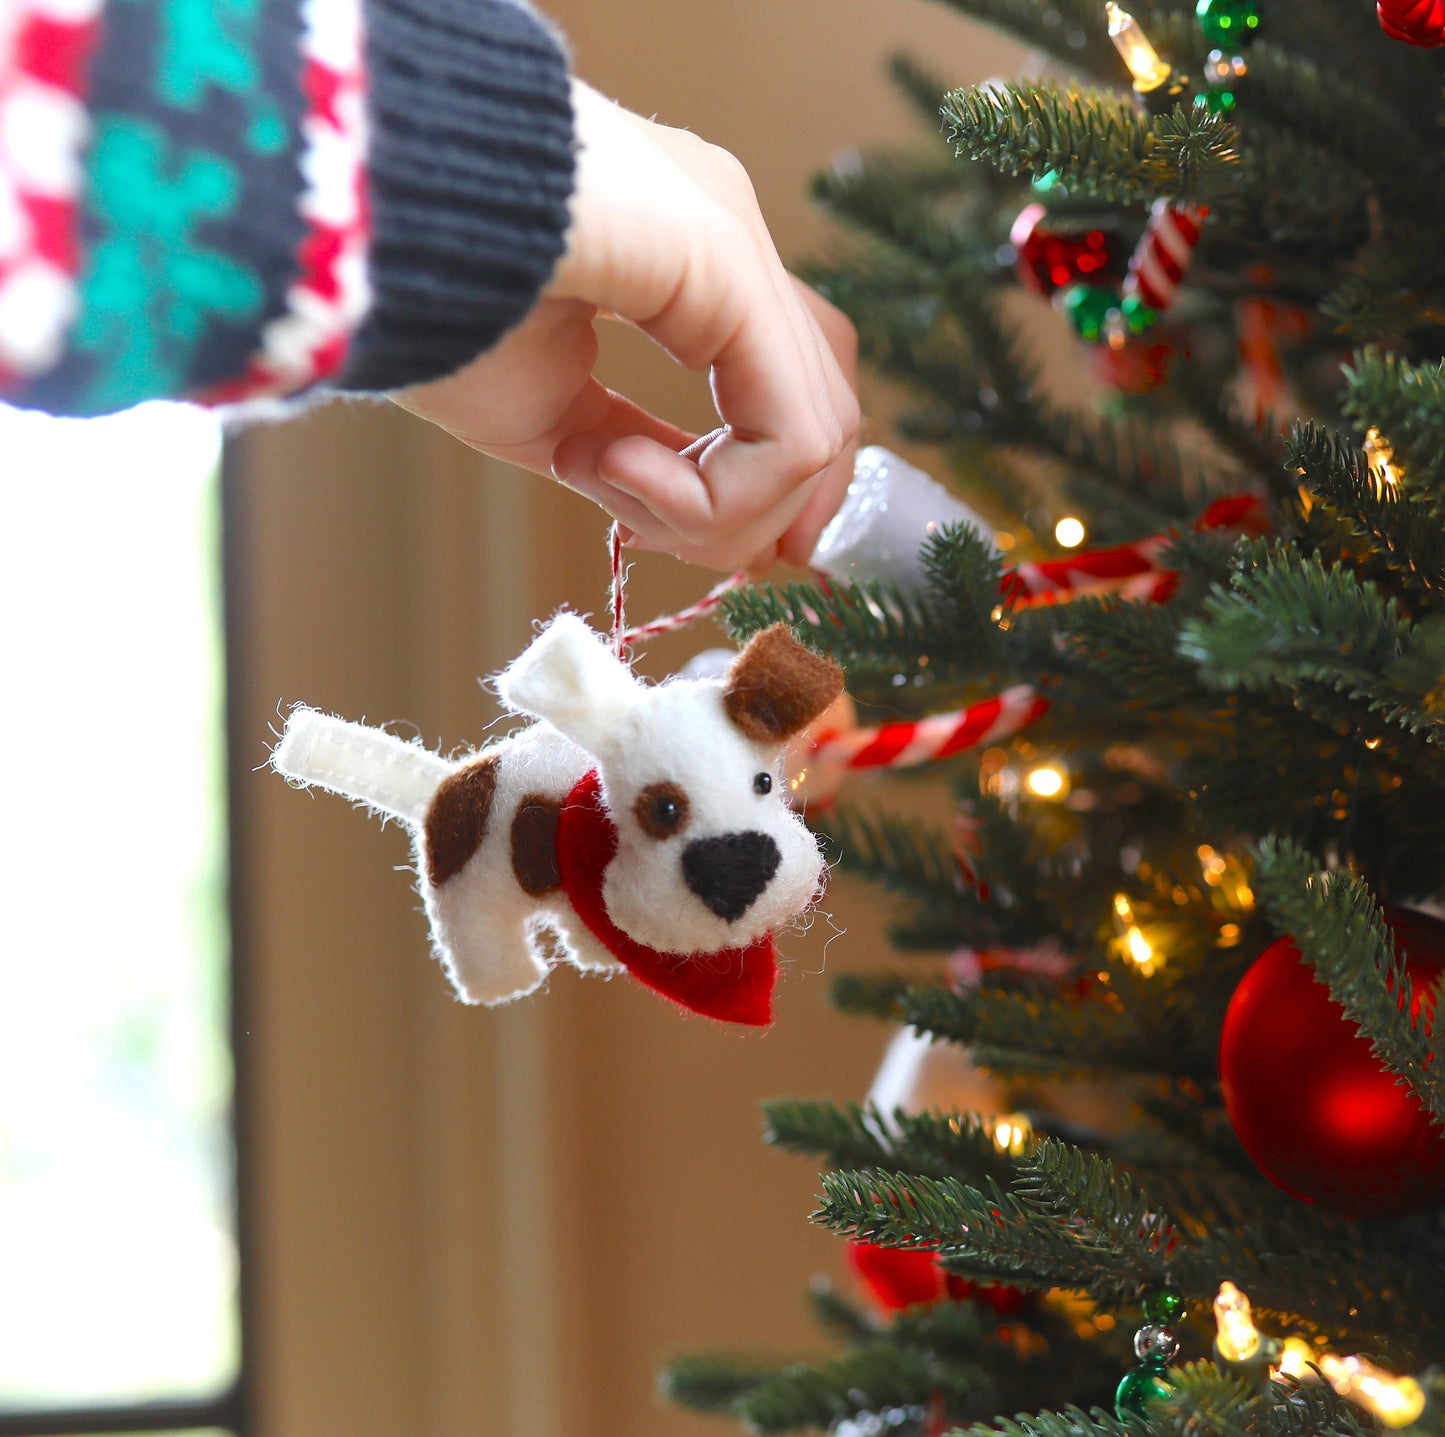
[(660, 810), (763, 783)]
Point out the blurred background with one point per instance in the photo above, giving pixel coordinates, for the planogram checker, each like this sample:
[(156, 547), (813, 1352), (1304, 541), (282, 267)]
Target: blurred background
[(453, 1221)]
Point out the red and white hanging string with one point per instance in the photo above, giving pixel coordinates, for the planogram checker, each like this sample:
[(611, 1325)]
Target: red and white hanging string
[(624, 638)]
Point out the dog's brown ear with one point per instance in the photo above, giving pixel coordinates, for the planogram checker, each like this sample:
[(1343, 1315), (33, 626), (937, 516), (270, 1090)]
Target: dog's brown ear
[(776, 687)]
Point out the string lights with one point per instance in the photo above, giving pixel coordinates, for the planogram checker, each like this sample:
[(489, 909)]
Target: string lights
[(1131, 944), (1381, 456), (1145, 65), (1397, 1401)]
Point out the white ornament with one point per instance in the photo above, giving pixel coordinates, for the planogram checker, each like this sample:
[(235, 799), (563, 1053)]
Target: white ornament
[(674, 785), (889, 511)]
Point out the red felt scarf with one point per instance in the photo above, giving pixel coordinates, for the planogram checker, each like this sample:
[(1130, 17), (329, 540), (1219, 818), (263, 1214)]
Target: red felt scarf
[(734, 985)]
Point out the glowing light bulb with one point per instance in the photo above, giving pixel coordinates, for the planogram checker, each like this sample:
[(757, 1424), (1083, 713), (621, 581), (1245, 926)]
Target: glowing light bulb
[(1237, 1338), (1396, 1401), (1148, 70), (1011, 1133), (1139, 948), (1381, 456), (1069, 532), (1295, 1359), (1047, 781)]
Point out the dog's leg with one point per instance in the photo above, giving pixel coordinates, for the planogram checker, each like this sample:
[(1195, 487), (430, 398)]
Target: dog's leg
[(581, 948), (481, 922)]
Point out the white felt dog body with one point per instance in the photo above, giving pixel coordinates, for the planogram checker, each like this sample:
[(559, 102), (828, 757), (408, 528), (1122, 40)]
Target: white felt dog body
[(701, 855)]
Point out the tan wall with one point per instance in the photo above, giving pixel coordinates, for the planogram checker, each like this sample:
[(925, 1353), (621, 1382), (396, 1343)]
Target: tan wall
[(499, 1223)]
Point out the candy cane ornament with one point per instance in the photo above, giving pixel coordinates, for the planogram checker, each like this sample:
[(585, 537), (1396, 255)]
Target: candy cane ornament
[(1164, 252), (907, 743)]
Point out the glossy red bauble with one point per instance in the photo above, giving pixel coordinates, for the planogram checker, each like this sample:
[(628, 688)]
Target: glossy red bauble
[(1048, 261), (1417, 22), (1312, 1104), (900, 1277)]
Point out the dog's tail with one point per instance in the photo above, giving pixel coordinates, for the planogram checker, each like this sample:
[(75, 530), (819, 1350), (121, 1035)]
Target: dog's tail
[(393, 776)]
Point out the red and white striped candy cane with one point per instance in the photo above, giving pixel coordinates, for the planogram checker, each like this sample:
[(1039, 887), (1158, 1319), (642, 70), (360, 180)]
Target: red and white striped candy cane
[(1133, 571), (1160, 259), (1088, 572), (909, 742)]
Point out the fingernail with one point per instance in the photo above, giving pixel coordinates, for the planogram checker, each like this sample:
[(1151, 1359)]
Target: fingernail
[(574, 463)]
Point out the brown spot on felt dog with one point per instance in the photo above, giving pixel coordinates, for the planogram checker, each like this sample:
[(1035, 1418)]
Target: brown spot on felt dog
[(776, 688), (534, 844), (661, 810), (456, 822)]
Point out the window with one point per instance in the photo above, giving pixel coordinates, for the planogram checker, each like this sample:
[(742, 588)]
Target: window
[(119, 1292)]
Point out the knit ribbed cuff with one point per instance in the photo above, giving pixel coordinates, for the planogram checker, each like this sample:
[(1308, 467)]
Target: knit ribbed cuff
[(469, 173)]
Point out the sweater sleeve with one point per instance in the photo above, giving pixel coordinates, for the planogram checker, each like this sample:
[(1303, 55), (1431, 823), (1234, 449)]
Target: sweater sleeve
[(229, 200)]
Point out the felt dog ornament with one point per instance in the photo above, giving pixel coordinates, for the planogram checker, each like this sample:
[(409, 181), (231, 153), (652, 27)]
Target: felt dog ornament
[(632, 826)]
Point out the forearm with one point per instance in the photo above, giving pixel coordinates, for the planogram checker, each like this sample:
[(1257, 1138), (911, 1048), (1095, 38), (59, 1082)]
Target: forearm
[(225, 200)]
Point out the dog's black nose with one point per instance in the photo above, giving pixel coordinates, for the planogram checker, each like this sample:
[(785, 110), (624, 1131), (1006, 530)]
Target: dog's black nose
[(728, 873)]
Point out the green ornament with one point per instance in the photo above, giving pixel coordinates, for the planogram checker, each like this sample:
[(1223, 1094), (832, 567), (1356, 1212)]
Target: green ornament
[(1228, 22), (1088, 308), (1045, 182), (1137, 318), (1218, 101), (1140, 1389), (1163, 1304)]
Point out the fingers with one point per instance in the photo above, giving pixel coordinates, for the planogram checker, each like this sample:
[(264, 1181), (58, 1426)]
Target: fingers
[(667, 235), (738, 501)]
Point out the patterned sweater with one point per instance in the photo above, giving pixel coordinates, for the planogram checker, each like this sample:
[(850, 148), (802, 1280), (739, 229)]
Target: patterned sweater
[(227, 200)]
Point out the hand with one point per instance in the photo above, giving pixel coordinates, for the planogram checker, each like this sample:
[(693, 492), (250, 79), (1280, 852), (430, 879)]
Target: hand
[(666, 234)]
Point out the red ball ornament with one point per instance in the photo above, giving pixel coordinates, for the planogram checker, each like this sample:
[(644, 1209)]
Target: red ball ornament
[(901, 1277), (897, 1277), (1048, 261), (1417, 22), (1308, 1099)]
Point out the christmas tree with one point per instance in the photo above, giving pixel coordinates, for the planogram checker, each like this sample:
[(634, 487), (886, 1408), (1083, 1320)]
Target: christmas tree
[(1194, 742)]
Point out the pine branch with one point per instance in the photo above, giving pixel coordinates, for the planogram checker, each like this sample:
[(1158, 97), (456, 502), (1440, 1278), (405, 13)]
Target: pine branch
[(867, 625), (1313, 1410), (1071, 1422), (714, 1381), (867, 1379), (1408, 530), (980, 1232), (905, 857), (1016, 1034), (1096, 141), (1209, 1403), (931, 1144), (1406, 402), (1335, 922), (871, 995), (1345, 651), (1131, 652), (1088, 1191)]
